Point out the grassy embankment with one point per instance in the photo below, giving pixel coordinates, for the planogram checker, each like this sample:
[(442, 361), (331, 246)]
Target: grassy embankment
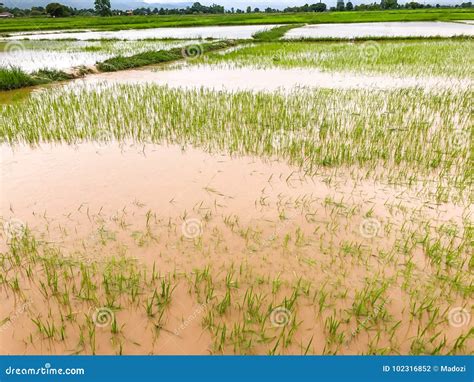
[(156, 57), (141, 22), (274, 33), (15, 78)]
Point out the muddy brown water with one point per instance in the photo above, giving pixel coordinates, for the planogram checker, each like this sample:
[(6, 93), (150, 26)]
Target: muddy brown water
[(68, 194)]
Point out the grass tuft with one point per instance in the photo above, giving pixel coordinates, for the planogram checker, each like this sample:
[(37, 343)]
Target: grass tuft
[(15, 78), (274, 33)]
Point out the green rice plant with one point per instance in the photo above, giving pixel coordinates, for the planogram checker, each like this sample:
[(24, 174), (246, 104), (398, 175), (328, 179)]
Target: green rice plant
[(163, 299), (14, 78), (46, 328), (274, 33), (414, 57), (306, 350), (414, 141), (149, 304), (332, 325), (225, 303), (366, 301), (142, 22), (44, 76), (460, 342), (114, 328)]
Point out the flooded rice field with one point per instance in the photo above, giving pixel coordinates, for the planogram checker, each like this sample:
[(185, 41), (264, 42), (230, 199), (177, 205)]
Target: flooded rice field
[(217, 32), (277, 198), (384, 29), (347, 31), (408, 58), (61, 55), (234, 79), (221, 221)]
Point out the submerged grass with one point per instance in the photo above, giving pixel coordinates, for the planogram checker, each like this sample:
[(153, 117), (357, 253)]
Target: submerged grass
[(87, 300), (408, 132), (389, 293), (447, 57)]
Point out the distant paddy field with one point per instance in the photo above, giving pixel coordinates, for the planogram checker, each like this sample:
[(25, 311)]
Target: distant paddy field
[(144, 22)]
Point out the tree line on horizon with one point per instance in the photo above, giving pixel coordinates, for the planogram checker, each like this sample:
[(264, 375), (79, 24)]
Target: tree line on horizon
[(103, 8)]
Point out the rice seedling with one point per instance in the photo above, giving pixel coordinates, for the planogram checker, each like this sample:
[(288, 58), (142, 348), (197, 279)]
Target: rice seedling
[(420, 57), (441, 125)]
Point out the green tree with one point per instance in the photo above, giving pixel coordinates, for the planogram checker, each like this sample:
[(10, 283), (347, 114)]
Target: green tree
[(340, 5), (349, 6), (57, 10), (389, 4), (102, 7), (319, 7)]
